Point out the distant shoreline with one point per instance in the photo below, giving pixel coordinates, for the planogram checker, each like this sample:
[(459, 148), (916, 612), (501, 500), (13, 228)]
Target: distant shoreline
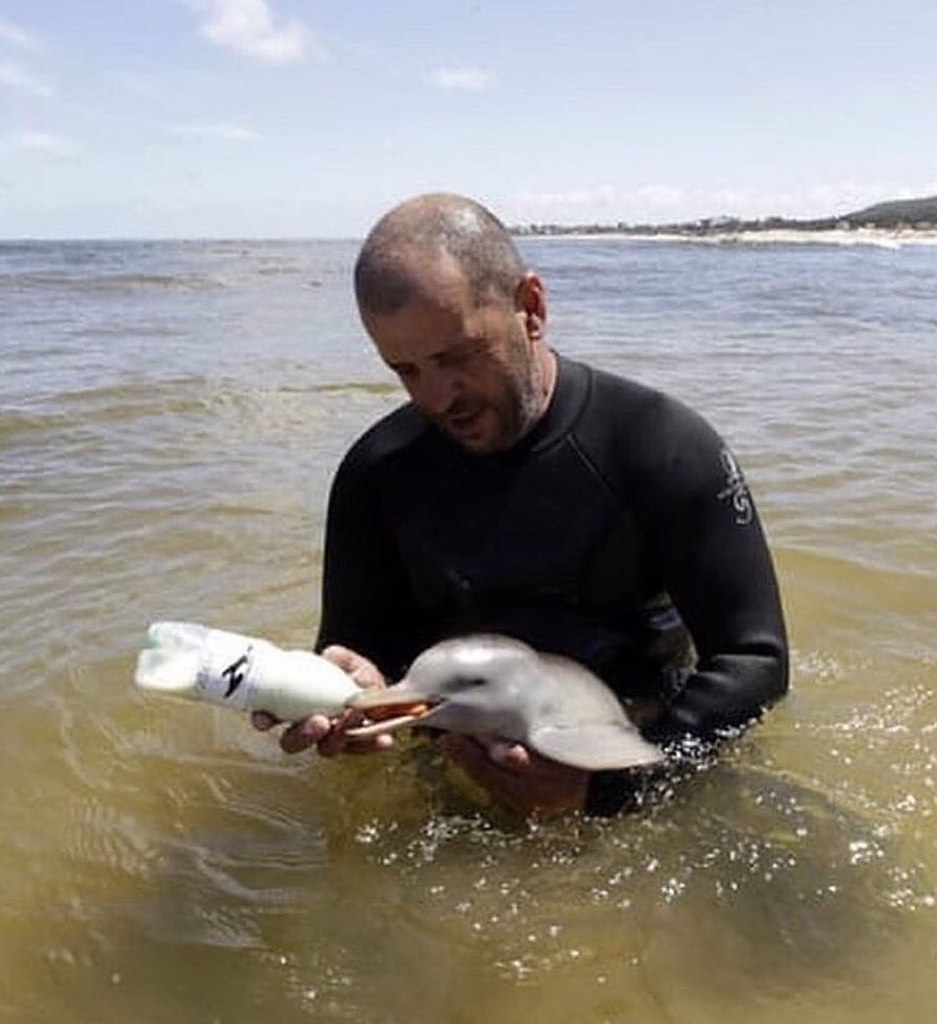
[(899, 221), (881, 237)]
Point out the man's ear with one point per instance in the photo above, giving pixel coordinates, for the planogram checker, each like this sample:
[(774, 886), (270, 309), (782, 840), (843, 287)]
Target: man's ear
[(530, 301)]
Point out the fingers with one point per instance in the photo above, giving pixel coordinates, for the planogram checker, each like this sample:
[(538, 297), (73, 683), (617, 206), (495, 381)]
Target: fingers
[(302, 735), (515, 776), (488, 759), (364, 672), (346, 659), (509, 755), (506, 785), (505, 753), (337, 742), (327, 735), (263, 720)]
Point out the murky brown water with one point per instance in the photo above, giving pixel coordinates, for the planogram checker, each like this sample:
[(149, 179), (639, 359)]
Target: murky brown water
[(169, 418)]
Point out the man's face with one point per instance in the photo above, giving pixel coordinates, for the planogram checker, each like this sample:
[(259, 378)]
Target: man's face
[(476, 371)]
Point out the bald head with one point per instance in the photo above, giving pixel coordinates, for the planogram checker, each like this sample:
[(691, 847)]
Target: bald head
[(426, 230)]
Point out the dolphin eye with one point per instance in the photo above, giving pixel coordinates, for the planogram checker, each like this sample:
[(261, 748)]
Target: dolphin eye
[(472, 681)]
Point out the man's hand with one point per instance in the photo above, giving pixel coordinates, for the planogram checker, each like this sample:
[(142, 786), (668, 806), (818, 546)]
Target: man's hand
[(516, 776), (328, 734)]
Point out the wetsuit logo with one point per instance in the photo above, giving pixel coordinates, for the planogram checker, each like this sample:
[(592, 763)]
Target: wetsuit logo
[(736, 490)]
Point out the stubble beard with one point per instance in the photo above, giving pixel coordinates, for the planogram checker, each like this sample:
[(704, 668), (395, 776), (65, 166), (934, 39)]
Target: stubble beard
[(525, 397)]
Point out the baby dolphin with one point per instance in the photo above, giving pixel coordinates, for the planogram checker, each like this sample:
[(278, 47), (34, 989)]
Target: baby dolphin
[(487, 685)]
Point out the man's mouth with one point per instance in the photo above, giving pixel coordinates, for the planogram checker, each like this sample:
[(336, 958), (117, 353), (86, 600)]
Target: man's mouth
[(462, 421)]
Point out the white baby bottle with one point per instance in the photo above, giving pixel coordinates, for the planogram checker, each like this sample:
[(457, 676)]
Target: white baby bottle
[(183, 659)]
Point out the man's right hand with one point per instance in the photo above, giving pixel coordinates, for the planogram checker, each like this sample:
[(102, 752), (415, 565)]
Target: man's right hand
[(328, 734)]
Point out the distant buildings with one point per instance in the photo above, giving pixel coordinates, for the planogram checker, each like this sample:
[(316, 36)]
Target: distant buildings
[(897, 215)]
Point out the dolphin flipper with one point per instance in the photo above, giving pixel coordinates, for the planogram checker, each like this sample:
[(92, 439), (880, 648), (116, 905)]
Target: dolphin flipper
[(595, 747)]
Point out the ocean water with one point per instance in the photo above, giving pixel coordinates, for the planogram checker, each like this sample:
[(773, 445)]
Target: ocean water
[(170, 417)]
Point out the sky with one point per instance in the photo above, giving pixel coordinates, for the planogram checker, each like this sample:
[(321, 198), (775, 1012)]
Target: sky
[(309, 118)]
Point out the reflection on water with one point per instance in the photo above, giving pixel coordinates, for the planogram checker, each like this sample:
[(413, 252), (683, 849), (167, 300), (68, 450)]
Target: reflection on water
[(165, 450)]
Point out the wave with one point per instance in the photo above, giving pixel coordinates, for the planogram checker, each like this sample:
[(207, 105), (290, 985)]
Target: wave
[(112, 283), (85, 407), (189, 397)]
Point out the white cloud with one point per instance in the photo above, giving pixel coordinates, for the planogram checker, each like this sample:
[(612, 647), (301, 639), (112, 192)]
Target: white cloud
[(249, 27), (467, 78), (13, 77), (664, 203), (11, 33), (571, 200), (660, 197), (224, 132), (651, 203)]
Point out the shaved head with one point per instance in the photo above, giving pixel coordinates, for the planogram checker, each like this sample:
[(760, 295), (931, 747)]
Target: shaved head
[(426, 230)]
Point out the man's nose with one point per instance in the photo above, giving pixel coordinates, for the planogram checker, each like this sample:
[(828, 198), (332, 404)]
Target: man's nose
[(436, 390)]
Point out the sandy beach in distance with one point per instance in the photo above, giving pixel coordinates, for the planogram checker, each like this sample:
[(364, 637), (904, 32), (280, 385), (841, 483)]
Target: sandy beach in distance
[(881, 237), (838, 236)]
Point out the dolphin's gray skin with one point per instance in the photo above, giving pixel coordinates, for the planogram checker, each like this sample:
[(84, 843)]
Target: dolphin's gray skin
[(498, 687)]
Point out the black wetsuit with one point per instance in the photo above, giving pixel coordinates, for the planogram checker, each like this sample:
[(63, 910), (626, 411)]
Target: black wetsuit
[(617, 527)]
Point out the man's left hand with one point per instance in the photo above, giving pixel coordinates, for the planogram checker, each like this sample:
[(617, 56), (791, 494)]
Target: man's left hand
[(516, 776)]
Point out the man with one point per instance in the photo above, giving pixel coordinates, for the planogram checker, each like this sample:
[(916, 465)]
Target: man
[(522, 493)]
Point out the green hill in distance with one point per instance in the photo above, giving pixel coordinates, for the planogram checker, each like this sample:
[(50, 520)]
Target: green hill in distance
[(895, 215)]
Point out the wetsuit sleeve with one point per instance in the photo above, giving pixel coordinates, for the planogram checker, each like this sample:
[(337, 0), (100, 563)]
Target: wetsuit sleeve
[(707, 541), (718, 571), (366, 603)]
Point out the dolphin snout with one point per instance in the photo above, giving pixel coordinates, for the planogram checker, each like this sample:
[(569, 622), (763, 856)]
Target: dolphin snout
[(389, 709)]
